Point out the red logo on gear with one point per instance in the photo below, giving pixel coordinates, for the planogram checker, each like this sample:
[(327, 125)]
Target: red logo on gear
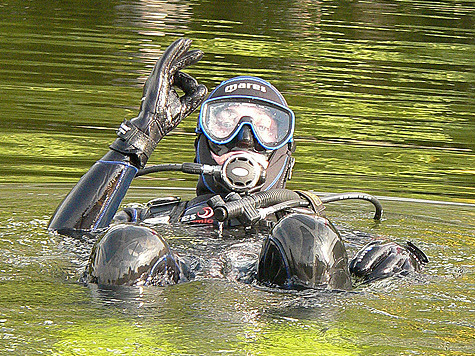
[(207, 213)]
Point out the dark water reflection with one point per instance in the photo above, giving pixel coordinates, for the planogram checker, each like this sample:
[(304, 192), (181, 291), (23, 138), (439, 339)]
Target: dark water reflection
[(384, 96)]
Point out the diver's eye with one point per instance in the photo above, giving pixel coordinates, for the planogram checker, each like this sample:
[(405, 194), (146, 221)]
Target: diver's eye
[(228, 115), (266, 133), (227, 124)]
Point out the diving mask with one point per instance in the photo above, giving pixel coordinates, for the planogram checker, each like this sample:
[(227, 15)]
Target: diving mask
[(221, 120)]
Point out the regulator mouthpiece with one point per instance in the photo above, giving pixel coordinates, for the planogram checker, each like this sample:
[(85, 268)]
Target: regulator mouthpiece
[(241, 173)]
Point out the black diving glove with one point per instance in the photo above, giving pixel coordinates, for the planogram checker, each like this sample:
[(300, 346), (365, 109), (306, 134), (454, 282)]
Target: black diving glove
[(161, 109), (380, 259)]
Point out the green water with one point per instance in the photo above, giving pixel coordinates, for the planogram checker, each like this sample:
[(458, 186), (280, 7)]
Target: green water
[(384, 97)]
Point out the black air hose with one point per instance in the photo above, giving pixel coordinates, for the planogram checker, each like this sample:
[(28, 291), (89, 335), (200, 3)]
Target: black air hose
[(235, 208), (270, 197), (192, 168), (160, 168), (344, 196)]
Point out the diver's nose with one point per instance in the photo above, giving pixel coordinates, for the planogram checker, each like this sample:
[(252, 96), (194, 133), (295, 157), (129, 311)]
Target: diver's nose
[(245, 138)]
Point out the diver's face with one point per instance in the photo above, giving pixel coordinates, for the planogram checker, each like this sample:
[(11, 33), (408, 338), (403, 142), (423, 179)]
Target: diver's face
[(254, 124), (240, 114)]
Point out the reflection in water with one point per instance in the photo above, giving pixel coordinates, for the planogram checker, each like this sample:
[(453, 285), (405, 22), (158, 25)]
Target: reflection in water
[(152, 20)]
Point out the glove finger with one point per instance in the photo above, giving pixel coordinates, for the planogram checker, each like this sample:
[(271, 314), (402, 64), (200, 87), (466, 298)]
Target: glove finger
[(368, 258), (187, 59), (185, 82), (168, 59), (191, 102), (159, 80), (194, 93)]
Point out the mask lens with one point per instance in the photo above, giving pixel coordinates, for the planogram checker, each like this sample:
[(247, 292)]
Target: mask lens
[(271, 125), (221, 120)]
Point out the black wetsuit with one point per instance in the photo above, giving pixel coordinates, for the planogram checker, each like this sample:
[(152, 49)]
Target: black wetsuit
[(291, 256)]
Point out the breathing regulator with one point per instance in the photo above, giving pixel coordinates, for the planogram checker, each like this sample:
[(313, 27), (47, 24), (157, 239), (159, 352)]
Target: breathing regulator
[(240, 173)]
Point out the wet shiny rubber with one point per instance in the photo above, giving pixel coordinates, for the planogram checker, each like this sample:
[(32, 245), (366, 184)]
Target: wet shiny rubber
[(304, 251), (93, 202), (380, 259), (131, 255)]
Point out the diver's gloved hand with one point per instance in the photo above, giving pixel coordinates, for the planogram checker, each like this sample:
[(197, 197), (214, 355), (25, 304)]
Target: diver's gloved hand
[(162, 109), (380, 259)]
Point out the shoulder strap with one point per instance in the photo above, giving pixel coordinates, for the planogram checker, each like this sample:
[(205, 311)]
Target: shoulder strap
[(315, 202)]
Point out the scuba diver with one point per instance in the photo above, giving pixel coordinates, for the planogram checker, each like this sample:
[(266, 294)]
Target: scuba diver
[(244, 149)]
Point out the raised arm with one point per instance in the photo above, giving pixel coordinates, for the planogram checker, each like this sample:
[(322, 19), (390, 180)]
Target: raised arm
[(94, 200)]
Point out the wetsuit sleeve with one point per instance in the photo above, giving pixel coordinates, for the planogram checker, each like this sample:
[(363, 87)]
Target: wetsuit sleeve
[(92, 203)]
